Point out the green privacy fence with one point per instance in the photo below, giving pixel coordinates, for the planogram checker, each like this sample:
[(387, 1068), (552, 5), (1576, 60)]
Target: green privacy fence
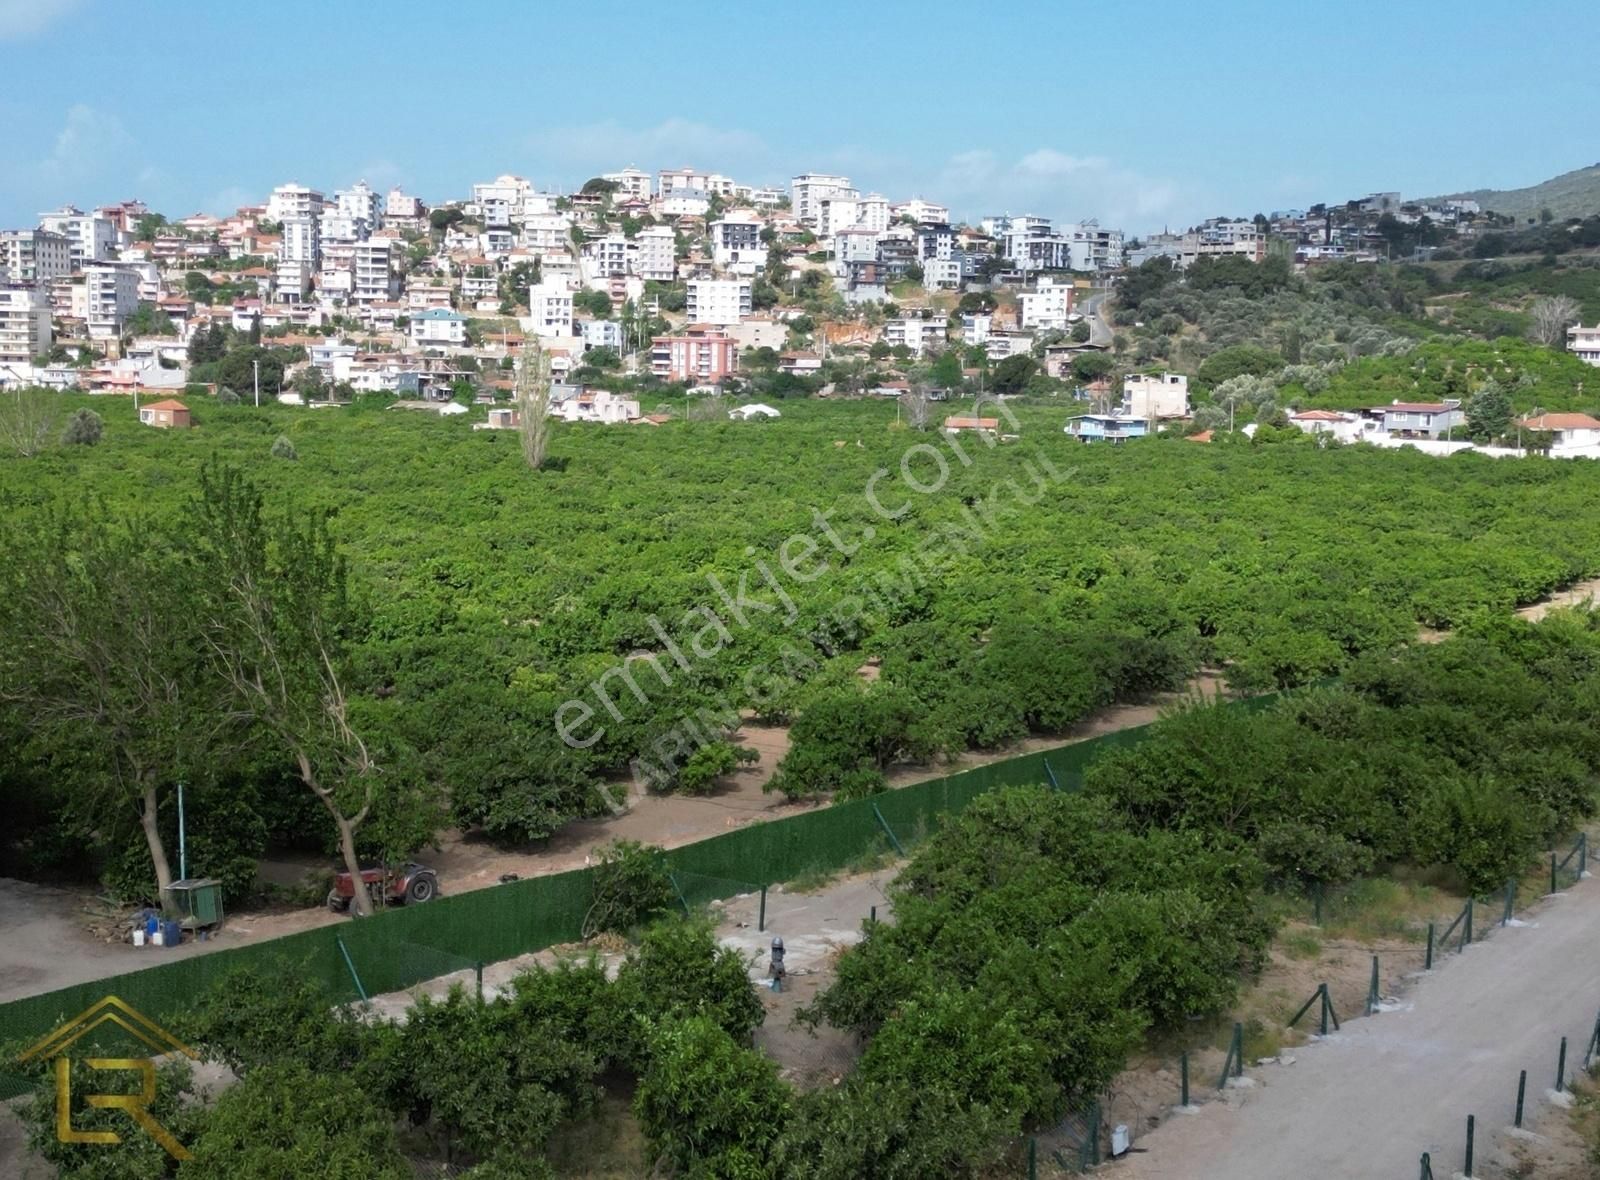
[(400, 948)]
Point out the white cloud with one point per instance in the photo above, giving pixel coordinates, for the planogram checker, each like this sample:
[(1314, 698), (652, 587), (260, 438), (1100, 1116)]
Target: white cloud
[(1054, 183), (91, 142), (25, 18), (673, 143)]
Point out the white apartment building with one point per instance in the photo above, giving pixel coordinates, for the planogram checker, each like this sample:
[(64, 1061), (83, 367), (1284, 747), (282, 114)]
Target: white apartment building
[(401, 204), (1045, 309), (922, 212), (855, 245), (375, 275), (670, 180), (550, 308), (294, 201), (1093, 248), (656, 260), (837, 213), (1584, 343), (546, 233), (941, 274), (611, 255), (359, 203), (807, 192), (768, 197), (633, 184), (602, 334), (718, 301), (872, 212), (300, 240), (736, 243), (1155, 395), (438, 326), (683, 202), (33, 256), (919, 335), (503, 194), (90, 238), (111, 294), (24, 325)]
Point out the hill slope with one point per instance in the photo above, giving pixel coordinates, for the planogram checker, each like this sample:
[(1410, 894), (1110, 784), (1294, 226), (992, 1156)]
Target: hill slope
[(1572, 194)]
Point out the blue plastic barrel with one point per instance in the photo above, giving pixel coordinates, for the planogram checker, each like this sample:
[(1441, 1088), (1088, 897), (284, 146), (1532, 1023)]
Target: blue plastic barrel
[(172, 932), (151, 923)]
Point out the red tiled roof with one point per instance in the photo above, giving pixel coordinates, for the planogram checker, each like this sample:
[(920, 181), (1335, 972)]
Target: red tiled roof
[(1561, 422), (169, 404)]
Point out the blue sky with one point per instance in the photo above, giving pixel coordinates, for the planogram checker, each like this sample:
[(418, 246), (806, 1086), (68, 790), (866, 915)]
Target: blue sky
[(1143, 113)]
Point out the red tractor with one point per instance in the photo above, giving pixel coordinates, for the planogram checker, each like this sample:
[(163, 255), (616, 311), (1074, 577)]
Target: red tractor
[(411, 883)]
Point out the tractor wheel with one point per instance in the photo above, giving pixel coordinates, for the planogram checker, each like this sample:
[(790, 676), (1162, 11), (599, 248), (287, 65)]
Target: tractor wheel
[(337, 902), (423, 888)]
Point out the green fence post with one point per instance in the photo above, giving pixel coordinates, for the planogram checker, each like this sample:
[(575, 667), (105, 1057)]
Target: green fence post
[(1522, 1089), (1183, 1074), (1466, 934), (761, 919), (1427, 1168), (348, 962), (1583, 854), (1511, 898), (1561, 1067), (682, 900), (1467, 1171), (1552, 871), (1372, 989), (1033, 1165), (1593, 1046), (1322, 993), (1055, 783), (1427, 964), (872, 915), (477, 970), (888, 831)]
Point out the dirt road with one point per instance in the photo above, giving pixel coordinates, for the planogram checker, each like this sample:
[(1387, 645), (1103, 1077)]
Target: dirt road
[(1369, 1100)]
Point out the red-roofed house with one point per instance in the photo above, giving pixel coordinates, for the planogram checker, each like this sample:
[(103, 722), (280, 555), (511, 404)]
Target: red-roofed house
[(169, 415), (956, 424), (1571, 430), (1344, 427)]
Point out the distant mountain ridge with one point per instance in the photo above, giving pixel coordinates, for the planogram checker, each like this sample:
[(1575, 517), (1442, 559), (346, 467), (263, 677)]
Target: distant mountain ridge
[(1572, 194)]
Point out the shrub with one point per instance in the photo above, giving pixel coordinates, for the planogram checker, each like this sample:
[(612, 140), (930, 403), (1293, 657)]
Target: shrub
[(631, 887), (282, 448), (83, 429)]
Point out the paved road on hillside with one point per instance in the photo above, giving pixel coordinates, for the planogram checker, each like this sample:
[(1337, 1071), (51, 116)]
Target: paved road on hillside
[(1099, 328), (1368, 1101)]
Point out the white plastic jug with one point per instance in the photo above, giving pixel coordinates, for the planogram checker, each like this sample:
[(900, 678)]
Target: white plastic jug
[(138, 937), (155, 939)]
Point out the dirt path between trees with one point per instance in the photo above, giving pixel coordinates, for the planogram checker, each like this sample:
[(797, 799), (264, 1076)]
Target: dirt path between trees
[(1370, 1099)]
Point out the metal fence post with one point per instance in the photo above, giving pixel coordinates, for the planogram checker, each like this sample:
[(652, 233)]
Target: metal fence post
[(1055, 783), (761, 918), (1467, 1171), (1323, 989), (682, 900), (872, 915), (1583, 854), (1372, 989), (888, 831), (1427, 964), (1522, 1089), (1552, 870), (1183, 1074), (1466, 935), (1511, 898), (1033, 1165), (350, 963), (1427, 1168), (1561, 1067), (1593, 1046)]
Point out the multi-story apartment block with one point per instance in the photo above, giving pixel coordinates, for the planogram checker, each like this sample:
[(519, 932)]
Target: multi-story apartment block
[(294, 201), (611, 255), (1584, 343), (502, 198), (872, 212), (768, 196), (736, 243), (837, 213), (375, 270), (438, 326), (671, 180), (359, 203), (807, 192), (942, 274), (718, 301), (935, 240), (922, 212), (602, 334), (919, 335), (633, 184), (300, 241), (852, 246), (1155, 395), (703, 359), (90, 238), (550, 308), (1046, 308), (656, 260), (402, 205), (111, 295), (24, 326), (546, 233), (33, 256)]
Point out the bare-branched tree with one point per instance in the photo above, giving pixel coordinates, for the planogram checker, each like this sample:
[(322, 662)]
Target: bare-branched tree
[(27, 420), (1552, 315), (533, 405)]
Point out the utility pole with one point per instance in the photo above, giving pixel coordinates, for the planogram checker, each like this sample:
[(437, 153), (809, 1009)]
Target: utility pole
[(255, 367)]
